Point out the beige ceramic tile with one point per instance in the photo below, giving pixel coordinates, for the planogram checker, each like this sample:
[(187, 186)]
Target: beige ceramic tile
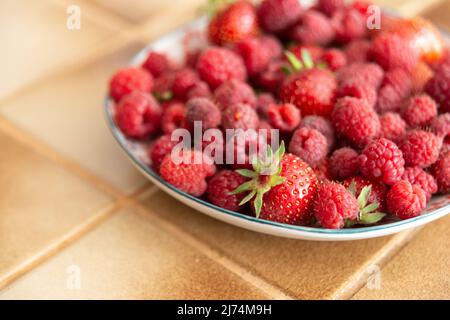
[(421, 270), (35, 41), (440, 14), (67, 113), (139, 10), (39, 204), (303, 269), (128, 257), (406, 7), (170, 17)]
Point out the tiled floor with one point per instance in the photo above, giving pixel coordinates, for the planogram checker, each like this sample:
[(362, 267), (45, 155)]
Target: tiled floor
[(78, 221)]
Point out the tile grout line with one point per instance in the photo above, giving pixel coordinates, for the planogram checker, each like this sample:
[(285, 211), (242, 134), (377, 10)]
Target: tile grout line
[(269, 289), (47, 151), (381, 258), (59, 245)]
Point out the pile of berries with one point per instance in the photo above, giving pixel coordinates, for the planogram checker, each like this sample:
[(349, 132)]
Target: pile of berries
[(363, 115)]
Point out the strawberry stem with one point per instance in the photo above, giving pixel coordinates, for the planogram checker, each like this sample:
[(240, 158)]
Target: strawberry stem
[(367, 214), (268, 167)]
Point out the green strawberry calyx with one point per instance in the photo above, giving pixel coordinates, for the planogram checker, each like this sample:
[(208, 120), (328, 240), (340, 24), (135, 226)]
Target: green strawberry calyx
[(296, 65), (264, 176), (368, 213)]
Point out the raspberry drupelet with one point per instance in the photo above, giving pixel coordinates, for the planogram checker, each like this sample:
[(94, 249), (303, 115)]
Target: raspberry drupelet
[(278, 15), (334, 205), (160, 148), (418, 177), (128, 80), (188, 174), (310, 145), (420, 148), (313, 27), (344, 163), (382, 161), (393, 127), (220, 189), (322, 125), (406, 200), (240, 116), (355, 120), (156, 63), (202, 110), (218, 65), (285, 117), (419, 110), (138, 115), (233, 92)]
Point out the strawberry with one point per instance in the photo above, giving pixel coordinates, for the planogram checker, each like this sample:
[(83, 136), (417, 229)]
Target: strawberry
[(282, 189), (312, 90), (233, 24)]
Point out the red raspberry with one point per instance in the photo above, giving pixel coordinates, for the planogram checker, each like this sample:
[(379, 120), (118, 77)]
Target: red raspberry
[(329, 7), (334, 205), (355, 120), (322, 171), (188, 176), (344, 163), (272, 78), (312, 91), (278, 15), (240, 116), (357, 51), (405, 200), (309, 144), (128, 80), (241, 150), (263, 103), (320, 124), (440, 126), (419, 110), (377, 194), (174, 117), (220, 187), (199, 90), (396, 87), (369, 73), (233, 92), (285, 117), (360, 90), (264, 125), (235, 23), (258, 52), (349, 24), (392, 51), (183, 81), (438, 88), (160, 148), (392, 126), (162, 87), (156, 63), (416, 176), (203, 110), (420, 148), (313, 27), (381, 160), (138, 115), (334, 59), (217, 65), (441, 172)]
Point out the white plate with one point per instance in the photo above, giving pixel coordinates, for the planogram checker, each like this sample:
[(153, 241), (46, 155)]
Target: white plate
[(137, 152)]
